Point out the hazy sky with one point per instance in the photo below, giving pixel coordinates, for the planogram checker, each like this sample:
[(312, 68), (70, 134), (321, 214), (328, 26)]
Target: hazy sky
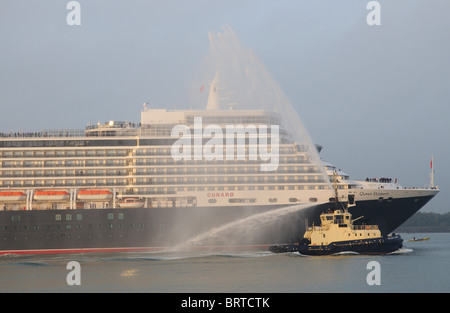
[(376, 97)]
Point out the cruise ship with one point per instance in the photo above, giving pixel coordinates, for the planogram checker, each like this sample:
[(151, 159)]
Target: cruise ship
[(177, 175)]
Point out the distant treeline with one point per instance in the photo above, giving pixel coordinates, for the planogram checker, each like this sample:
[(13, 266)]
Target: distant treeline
[(427, 222)]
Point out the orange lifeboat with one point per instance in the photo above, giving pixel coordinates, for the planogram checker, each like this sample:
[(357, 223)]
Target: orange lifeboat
[(12, 196), (95, 195), (131, 203), (51, 195)]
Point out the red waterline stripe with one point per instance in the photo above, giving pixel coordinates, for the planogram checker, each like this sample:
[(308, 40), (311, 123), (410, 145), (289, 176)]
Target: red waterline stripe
[(81, 250), (134, 249)]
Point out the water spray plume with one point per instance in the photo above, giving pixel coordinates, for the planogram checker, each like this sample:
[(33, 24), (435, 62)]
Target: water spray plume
[(244, 83), (247, 229)]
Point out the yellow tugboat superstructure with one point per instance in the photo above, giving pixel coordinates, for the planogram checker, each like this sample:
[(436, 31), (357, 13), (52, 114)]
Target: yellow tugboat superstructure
[(338, 226)]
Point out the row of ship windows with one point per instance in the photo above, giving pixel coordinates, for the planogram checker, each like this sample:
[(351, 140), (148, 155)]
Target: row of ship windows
[(64, 153), (172, 190), (61, 236), (228, 179), (104, 153), (60, 144), (5, 228), (95, 143), (70, 217), (123, 183), (356, 235), (145, 161), (66, 163), (156, 170), (253, 200), (242, 178)]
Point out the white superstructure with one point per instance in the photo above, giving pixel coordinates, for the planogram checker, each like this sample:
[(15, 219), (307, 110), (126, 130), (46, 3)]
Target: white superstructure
[(170, 159)]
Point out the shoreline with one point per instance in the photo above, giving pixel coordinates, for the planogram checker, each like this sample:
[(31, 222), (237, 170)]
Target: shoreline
[(423, 229)]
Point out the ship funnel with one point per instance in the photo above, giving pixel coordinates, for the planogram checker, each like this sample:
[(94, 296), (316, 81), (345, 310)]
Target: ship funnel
[(213, 97)]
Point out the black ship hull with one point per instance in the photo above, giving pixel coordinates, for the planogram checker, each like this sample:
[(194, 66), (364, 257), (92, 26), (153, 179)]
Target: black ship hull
[(387, 214), (134, 229)]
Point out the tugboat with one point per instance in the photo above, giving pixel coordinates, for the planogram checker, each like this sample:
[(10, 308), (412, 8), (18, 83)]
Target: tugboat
[(338, 234)]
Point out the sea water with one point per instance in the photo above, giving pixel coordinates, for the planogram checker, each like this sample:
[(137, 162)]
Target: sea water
[(417, 267)]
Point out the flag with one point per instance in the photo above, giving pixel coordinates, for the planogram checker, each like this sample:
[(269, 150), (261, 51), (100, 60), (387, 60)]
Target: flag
[(201, 88)]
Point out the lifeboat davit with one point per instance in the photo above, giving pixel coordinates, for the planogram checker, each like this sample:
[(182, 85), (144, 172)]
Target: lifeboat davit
[(98, 195), (51, 195), (12, 196), (131, 203)]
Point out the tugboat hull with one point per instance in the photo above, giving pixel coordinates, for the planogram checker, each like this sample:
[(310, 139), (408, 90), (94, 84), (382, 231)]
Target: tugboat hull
[(383, 245)]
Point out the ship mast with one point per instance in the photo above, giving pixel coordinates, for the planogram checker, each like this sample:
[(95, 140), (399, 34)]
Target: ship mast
[(336, 194), (213, 97), (431, 173)]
